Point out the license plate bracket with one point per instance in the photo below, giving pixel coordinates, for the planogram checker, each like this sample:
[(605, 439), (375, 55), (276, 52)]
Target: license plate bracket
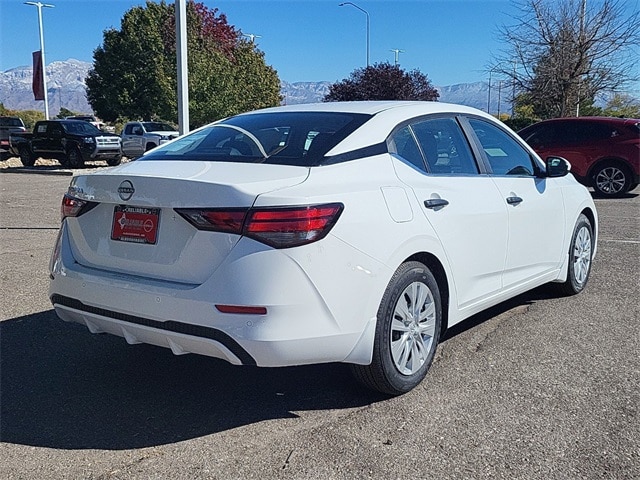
[(135, 224)]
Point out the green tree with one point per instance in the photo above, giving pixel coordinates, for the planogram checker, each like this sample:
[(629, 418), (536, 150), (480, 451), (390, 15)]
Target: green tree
[(622, 105), (382, 81), (65, 112), (134, 72)]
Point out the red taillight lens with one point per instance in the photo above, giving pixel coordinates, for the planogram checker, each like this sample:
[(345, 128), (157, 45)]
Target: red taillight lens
[(74, 207), (279, 227), (217, 220), (293, 226)]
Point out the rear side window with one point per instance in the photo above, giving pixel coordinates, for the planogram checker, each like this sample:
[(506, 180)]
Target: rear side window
[(284, 138)]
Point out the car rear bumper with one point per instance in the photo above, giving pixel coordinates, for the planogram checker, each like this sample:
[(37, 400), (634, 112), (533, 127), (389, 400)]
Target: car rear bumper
[(300, 326)]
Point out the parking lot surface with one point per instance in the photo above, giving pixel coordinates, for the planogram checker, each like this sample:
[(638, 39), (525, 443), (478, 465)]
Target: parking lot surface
[(537, 388)]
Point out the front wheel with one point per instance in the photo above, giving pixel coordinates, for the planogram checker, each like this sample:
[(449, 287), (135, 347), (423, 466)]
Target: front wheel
[(407, 332), (74, 158), (112, 162), (580, 258), (611, 179)]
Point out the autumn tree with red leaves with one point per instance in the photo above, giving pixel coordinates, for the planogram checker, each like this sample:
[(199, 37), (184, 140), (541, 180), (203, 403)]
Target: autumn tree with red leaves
[(134, 72), (382, 81)]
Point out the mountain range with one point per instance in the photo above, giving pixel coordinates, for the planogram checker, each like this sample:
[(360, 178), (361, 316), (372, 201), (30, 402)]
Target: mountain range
[(66, 88)]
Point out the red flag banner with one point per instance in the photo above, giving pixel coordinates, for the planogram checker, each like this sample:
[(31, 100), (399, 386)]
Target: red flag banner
[(38, 80)]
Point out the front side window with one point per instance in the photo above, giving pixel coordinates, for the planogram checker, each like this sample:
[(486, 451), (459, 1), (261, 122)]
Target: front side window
[(504, 154), (287, 138)]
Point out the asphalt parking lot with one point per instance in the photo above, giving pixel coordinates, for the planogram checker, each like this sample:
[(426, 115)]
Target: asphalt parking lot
[(538, 388)]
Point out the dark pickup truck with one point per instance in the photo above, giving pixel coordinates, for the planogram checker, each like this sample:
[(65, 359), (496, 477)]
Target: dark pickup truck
[(71, 142), (9, 125)]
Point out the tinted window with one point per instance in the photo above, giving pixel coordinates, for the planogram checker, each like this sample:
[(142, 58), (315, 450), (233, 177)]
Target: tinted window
[(79, 127), (403, 143), (292, 138), (157, 127), (10, 122), (444, 147), (505, 155)]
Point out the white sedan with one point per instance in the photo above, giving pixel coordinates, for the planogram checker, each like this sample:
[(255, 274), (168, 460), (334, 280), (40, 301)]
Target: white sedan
[(336, 232)]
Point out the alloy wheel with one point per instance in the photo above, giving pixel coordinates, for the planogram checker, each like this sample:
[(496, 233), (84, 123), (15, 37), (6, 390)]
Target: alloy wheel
[(413, 328)]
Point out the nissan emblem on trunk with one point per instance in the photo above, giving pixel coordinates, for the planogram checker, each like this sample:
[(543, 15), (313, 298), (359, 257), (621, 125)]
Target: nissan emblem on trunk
[(126, 190)]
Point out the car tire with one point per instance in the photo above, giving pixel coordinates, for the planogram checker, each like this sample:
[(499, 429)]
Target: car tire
[(149, 146), (27, 158), (611, 179), (407, 332), (112, 162), (74, 158), (580, 258)]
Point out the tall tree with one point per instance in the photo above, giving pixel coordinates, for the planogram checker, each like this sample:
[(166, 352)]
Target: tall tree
[(134, 72), (382, 81), (562, 53)]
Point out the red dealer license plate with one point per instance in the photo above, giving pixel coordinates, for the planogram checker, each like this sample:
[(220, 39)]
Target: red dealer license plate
[(135, 224)]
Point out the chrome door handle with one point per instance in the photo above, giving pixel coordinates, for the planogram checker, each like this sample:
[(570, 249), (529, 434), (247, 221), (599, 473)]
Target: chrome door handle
[(435, 203), (514, 200)]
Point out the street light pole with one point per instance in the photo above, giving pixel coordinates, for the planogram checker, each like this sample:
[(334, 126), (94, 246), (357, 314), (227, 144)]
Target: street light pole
[(397, 53), (39, 5), (367, 14)]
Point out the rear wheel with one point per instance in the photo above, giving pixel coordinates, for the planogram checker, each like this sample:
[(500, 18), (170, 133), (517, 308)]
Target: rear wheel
[(26, 157), (580, 256), (611, 179), (407, 332), (74, 158)]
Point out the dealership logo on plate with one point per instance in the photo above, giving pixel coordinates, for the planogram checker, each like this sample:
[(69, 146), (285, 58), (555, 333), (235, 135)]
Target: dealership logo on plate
[(126, 190)]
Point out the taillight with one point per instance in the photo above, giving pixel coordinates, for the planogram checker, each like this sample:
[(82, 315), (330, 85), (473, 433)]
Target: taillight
[(217, 220), (291, 226), (279, 227), (74, 207)]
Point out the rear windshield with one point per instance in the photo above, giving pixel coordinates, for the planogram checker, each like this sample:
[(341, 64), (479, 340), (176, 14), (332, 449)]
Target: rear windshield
[(285, 138), (10, 122), (157, 127)]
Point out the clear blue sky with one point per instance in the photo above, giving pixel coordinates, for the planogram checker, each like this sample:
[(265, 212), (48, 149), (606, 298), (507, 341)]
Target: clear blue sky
[(304, 40)]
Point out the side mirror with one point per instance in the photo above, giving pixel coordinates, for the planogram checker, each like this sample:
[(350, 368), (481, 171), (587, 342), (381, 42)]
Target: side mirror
[(557, 167)]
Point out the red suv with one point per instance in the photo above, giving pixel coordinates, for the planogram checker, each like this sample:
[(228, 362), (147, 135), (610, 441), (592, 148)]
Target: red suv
[(604, 152)]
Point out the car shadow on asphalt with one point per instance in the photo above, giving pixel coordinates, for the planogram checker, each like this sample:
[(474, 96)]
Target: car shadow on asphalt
[(62, 387)]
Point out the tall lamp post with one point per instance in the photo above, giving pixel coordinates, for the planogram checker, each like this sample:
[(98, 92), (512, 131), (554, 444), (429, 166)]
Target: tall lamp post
[(44, 72), (367, 14)]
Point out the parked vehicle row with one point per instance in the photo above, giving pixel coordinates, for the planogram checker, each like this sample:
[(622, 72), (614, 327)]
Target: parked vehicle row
[(350, 232), (71, 142)]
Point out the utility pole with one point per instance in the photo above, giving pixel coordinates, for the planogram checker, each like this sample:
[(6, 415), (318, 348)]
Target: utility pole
[(183, 70)]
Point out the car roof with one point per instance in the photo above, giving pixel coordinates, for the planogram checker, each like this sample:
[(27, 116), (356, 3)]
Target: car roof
[(616, 120), (369, 107)]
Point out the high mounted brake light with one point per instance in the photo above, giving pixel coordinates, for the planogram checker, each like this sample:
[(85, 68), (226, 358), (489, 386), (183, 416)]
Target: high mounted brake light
[(278, 227)]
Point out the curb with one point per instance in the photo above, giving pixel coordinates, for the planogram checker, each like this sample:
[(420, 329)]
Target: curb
[(36, 171)]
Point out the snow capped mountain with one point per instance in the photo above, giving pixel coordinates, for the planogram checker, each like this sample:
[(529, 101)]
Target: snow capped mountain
[(66, 88)]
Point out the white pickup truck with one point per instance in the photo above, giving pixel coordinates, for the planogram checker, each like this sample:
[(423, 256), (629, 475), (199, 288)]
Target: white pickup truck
[(139, 137)]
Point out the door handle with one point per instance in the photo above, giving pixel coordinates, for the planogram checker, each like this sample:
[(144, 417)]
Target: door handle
[(514, 200), (435, 203)]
